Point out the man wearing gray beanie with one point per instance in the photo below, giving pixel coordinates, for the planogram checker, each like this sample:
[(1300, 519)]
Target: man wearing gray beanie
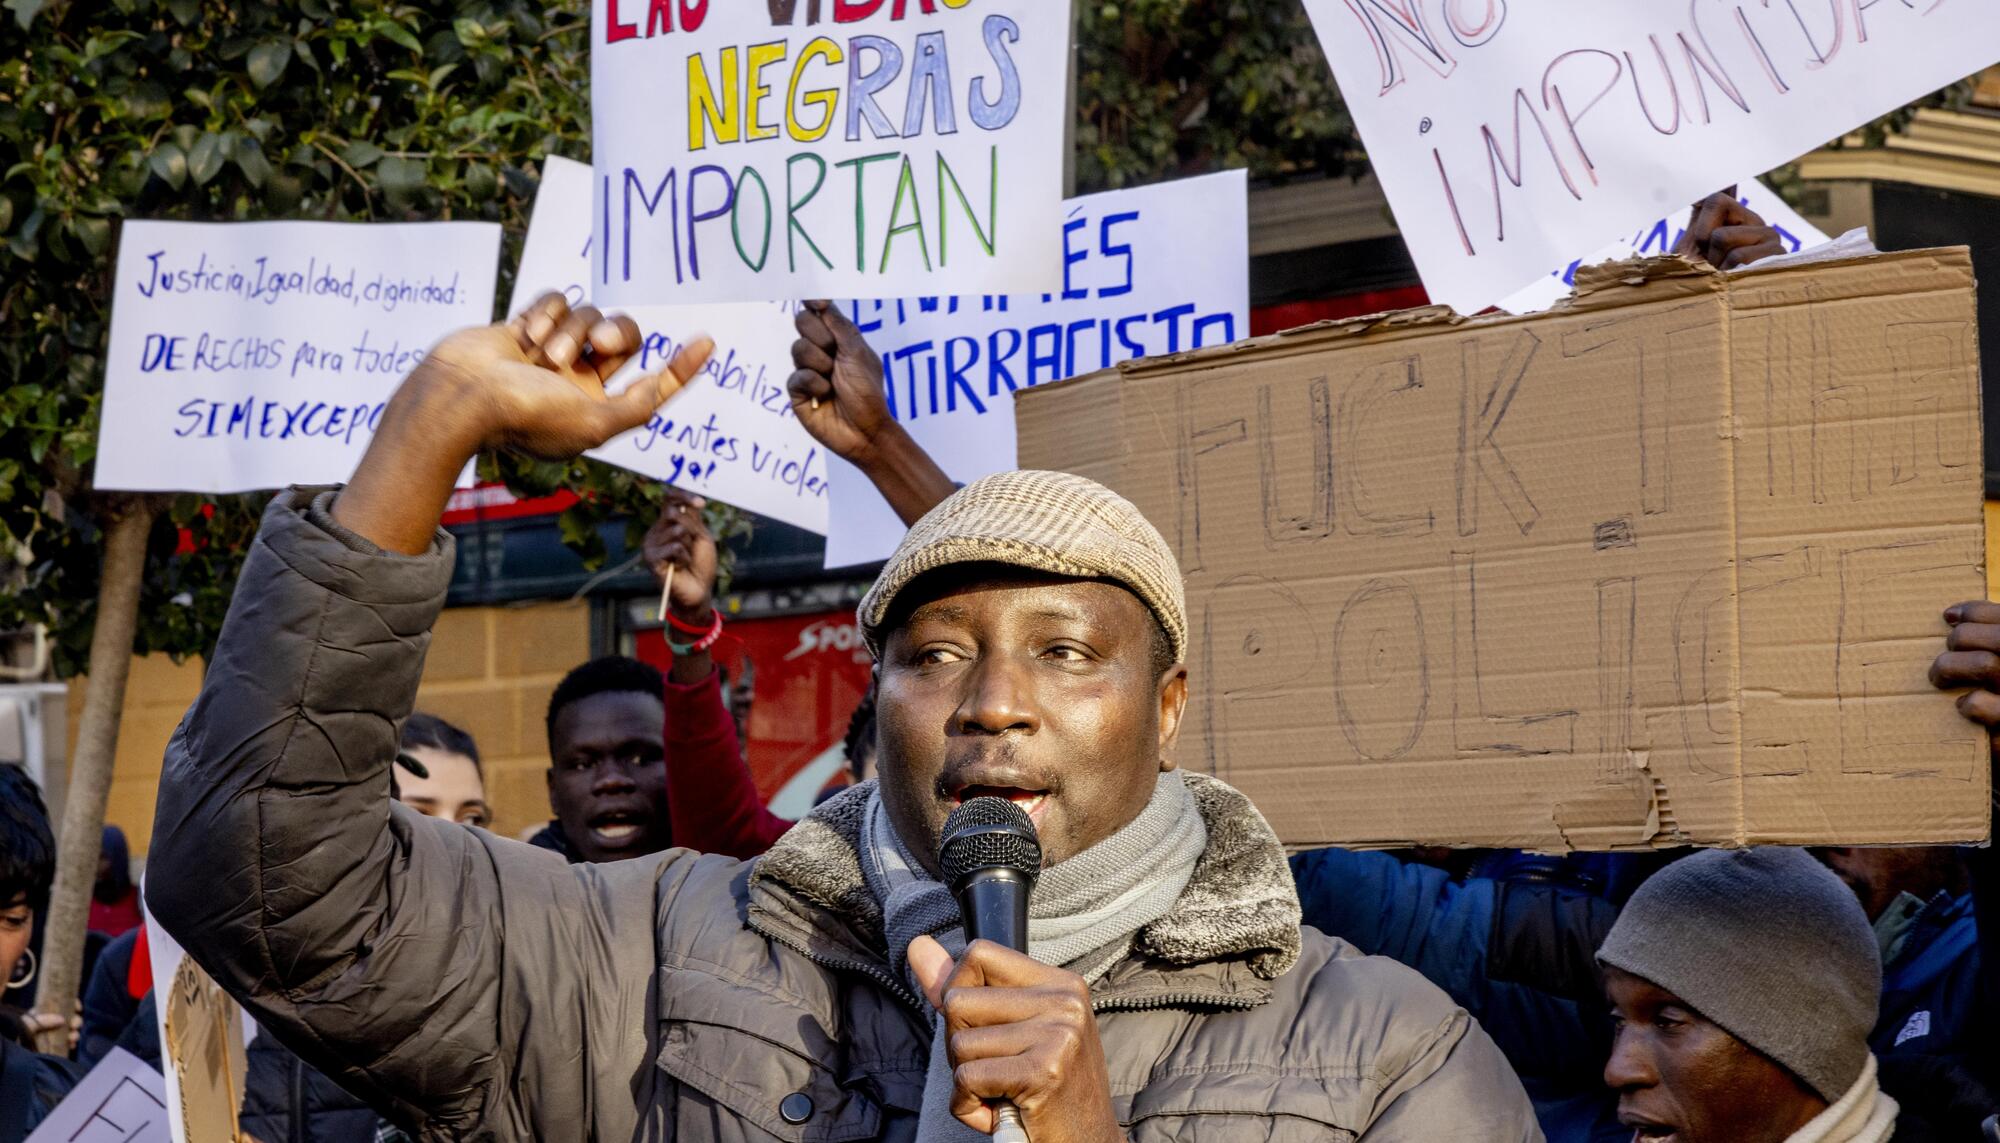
[(1744, 984)]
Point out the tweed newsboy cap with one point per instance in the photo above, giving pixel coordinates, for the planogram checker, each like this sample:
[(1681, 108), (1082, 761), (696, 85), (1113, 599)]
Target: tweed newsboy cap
[(1051, 522), (1768, 944)]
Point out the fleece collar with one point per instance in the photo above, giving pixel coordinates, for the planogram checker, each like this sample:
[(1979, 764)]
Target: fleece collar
[(1234, 929)]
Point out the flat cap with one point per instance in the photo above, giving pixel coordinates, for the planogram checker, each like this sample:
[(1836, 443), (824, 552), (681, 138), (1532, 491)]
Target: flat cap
[(1053, 522)]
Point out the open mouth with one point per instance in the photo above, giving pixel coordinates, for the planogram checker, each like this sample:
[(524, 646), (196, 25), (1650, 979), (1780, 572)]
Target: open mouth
[(617, 827), (1032, 802), (1653, 1132)]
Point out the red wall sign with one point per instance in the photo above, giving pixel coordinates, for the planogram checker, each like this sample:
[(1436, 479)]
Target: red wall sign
[(806, 674)]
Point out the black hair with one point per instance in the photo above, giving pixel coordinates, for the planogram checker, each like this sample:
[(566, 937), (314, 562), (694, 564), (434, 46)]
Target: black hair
[(1162, 649), (27, 847), (608, 675), (430, 730), (860, 730)]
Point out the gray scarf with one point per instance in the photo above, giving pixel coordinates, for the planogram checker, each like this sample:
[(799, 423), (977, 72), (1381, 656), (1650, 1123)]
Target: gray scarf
[(1082, 915)]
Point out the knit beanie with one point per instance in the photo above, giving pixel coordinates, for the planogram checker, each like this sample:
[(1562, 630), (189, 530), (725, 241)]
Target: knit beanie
[(1052, 522), (1769, 945)]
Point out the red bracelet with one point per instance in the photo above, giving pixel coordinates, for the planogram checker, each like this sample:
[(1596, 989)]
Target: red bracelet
[(708, 635), (690, 629)]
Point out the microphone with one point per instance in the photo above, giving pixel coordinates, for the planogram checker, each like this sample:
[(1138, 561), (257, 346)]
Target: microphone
[(990, 856)]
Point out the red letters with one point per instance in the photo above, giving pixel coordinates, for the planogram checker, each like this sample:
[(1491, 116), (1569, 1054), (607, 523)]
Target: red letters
[(615, 30)]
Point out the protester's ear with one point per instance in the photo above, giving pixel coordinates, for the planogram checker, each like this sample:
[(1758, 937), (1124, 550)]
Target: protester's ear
[(1173, 704)]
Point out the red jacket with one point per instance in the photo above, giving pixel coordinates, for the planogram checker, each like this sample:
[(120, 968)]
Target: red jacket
[(711, 799)]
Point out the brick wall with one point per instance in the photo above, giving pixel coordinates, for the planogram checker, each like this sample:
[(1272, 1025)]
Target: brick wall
[(490, 671), (156, 695)]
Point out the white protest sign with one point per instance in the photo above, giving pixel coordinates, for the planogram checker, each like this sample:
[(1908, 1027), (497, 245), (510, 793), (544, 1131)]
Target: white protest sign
[(1660, 237), (1150, 270), (122, 1100), (248, 355), (1509, 136), (731, 433), (749, 151)]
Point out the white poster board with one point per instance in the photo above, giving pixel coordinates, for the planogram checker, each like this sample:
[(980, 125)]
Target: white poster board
[(1146, 271), (250, 355), (1511, 135), (731, 434), (748, 151), (122, 1100), (1659, 237)]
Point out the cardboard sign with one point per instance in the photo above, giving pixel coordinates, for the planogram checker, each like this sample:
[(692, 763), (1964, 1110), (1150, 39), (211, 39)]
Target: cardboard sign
[(1146, 271), (248, 355), (731, 434), (1664, 565), (875, 148), (122, 1100), (1509, 136), (1660, 237), (202, 1037)]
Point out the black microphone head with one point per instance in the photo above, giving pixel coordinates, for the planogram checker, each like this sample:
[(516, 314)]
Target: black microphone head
[(988, 833)]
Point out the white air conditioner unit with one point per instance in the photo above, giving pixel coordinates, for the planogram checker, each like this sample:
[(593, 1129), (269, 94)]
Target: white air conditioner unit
[(34, 730)]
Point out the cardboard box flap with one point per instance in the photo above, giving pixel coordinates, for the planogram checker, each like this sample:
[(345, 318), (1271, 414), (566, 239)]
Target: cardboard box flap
[(1661, 566)]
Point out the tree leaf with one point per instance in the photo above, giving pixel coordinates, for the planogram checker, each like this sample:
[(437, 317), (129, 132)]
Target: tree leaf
[(170, 163), (205, 161), (267, 62), (480, 182), (251, 161), (360, 153), (94, 233), (396, 33), (24, 11), (400, 175)]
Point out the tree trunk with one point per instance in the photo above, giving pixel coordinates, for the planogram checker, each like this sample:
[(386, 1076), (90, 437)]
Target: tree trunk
[(127, 521)]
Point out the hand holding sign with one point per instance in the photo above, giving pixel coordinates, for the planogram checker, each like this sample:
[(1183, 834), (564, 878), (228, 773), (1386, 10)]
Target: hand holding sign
[(837, 394), (535, 384), (1728, 234), (837, 390), (680, 542)]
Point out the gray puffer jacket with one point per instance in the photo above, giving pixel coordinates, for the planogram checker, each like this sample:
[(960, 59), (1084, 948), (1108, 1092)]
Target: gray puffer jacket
[(477, 988)]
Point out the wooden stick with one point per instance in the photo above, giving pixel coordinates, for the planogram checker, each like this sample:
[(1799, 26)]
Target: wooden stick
[(666, 589)]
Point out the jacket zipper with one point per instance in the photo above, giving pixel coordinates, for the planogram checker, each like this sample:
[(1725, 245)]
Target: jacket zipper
[(879, 975), (298, 1124), (1176, 1000)]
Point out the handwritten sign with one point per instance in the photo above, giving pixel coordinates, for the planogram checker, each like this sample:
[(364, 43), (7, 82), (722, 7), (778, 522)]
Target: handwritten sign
[(751, 151), (1659, 237), (731, 433), (1510, 135), (1501, 580), (121, 1101), (248, 355), (1147, 271)]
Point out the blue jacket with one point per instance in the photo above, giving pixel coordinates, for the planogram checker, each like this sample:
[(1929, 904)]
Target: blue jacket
[(1420, 916), (1930, 992)]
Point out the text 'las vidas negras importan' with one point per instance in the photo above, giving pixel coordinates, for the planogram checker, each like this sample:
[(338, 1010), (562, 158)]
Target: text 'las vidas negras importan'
[(754, 179)]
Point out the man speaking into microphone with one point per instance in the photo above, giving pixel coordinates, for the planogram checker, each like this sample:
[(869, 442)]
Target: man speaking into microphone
[(1029, 636)]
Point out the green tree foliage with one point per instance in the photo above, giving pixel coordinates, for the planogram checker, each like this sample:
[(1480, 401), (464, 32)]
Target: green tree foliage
[(198, 109), (1179, 87), (373, 109)]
